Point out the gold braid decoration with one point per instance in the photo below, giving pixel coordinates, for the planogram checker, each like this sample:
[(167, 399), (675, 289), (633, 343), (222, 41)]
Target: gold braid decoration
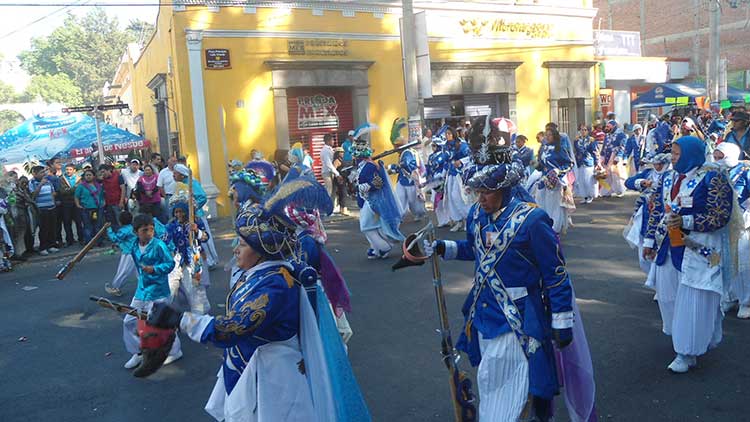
[(718, 206), (252, 311)]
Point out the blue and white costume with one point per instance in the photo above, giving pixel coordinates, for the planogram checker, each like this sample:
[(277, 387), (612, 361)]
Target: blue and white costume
[(453, 195), (690, 279), (379, 215), (646, 182), (612, 159), (275, 362), (634, 150), (556, 163), (587, 156), (408, 193), (436, 172), (738, 174), (524, 154), (521, 299)]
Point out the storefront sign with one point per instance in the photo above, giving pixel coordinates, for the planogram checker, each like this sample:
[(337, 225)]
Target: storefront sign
[(617, 43), (113, 148), (605, 101), (480, 27), (317, 47), (317, 112), (218, 59)]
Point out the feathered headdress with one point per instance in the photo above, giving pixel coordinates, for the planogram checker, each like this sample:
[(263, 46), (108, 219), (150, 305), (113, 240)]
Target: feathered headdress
[(263, 169), (363, 129), (179, 200), (266, 226), (398, 125), (248, 185), (438, 138)]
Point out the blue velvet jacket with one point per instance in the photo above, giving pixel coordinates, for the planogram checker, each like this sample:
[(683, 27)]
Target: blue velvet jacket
[(455, 154), (739, 176), (634, 183), (533, 272), (524, 155), (436, 164), (587, 153), (368, 174), (633, 149), (614, 146), (558, 160), (177, 238), (406, 165), (156, 285), (710, 210), (262, 307)]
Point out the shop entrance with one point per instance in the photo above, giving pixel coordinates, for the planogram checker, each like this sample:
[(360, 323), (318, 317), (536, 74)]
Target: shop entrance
[(315, 112), (458, 110), (570, 113)]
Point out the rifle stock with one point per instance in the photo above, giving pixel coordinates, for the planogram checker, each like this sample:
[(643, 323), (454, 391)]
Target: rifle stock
[(386, 153), (79, 256), (119, 307)]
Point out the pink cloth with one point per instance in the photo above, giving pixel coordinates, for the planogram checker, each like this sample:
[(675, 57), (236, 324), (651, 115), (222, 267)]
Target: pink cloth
[(148, 184)]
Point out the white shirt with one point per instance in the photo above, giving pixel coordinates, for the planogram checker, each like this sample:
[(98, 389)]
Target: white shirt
[(131, 179), (166, 181), (326, 159)]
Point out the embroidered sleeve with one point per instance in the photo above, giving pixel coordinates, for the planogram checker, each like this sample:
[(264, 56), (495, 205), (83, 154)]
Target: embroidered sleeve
[(656, 211), (718, 205)]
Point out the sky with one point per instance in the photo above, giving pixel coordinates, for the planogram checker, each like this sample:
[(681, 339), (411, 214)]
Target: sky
[(19, 20)]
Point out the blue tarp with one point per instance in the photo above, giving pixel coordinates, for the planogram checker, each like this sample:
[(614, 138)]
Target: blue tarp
[(63, 135), (656, 97)]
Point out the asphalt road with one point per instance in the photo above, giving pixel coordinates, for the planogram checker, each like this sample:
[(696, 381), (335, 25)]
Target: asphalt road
[(69, 365)]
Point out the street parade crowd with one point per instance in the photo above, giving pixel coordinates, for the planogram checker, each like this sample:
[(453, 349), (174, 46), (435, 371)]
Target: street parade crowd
[(284, 331)]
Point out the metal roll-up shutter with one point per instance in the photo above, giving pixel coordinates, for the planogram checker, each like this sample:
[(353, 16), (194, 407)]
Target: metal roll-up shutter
[(314, 112), (481, 105), (437, 107)]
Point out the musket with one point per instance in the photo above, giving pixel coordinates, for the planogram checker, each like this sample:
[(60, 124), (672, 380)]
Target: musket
[(119, 307), (79, 256), (193, 249), (461, 395), (387, 153)]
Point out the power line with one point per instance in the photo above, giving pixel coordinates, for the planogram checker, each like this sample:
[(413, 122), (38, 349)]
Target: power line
[(54, 12), (209, 3)]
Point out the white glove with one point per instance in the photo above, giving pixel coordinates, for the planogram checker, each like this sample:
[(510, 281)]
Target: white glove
[(429, 247)]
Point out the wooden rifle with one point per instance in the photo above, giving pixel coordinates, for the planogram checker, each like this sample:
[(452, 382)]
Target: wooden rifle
[(386, 153), (194, 248), (79, 256), (119, 307)]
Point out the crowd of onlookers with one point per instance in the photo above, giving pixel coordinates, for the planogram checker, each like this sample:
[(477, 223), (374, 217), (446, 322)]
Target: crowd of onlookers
[(62, 204)]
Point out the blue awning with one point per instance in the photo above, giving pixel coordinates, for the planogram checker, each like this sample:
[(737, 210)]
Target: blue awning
[(657, 96)]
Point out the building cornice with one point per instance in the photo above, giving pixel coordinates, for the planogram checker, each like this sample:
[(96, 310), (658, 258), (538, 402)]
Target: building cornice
[(318, 64), (565, 64), (474, 65)]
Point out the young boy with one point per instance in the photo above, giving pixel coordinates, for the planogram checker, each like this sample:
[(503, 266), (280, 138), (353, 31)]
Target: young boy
[(189, 280), (153, 262), (125, 239)]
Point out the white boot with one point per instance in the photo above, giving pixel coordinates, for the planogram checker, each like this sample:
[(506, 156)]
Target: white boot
[(682, 363), (744, 312), (134, 361), (172, 358)]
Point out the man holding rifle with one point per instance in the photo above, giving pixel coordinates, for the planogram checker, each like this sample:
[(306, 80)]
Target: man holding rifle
[(522, 298)]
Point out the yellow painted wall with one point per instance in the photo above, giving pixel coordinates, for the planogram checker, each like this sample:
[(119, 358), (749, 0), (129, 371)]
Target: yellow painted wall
[(249, 80)]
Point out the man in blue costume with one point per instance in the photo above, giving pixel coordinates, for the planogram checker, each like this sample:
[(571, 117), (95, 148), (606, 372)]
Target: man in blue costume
[(612, 159), (686, 238), (587, 157), (275, 367), (408, 188), (634, 149), (379, 215), (522, 297)]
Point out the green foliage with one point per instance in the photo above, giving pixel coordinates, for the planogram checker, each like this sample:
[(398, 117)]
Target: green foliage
[(9, 119), (7, 93), (57, 88), (86, 50)]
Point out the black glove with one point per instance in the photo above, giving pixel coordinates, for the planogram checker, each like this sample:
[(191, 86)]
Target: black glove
[(164, 316), (563, 337)]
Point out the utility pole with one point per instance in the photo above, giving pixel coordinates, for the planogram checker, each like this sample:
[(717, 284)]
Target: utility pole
[(411, 85), (714, 51), (97, 110)]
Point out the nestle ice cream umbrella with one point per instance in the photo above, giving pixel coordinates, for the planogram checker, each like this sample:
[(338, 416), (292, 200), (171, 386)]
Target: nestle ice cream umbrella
[(63, 135)]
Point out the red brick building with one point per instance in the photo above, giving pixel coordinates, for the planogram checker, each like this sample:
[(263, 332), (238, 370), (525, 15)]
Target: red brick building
[(680, 29)]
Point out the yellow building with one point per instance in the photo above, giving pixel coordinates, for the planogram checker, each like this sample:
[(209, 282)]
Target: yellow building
[(216, 82)]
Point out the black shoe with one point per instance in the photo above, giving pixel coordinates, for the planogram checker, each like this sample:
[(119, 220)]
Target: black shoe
[(18, 258)]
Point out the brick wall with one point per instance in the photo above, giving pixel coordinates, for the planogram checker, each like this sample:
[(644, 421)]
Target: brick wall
[(671, 26)]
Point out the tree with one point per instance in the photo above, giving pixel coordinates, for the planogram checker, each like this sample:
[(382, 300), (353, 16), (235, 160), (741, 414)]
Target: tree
[(57, 88), (7, 93), (139, 31), (87, 50), (9, 119)]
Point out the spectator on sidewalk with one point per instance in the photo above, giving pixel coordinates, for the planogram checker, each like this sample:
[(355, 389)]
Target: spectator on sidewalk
[(166, 185), (43, 193), (328, 170), (147, 192), (114, 193), (131, 175), (22, 212), (54, 172), (90, 200), (69, 211)]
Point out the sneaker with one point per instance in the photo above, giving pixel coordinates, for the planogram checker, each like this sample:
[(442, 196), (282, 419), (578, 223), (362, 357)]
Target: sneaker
[(682, 363), (53, 250), (43, 253), (172, 358), (371, 254), (134, 361), (744, 312), (458, 226), (588, 200), (383, 254), (114, 291)]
